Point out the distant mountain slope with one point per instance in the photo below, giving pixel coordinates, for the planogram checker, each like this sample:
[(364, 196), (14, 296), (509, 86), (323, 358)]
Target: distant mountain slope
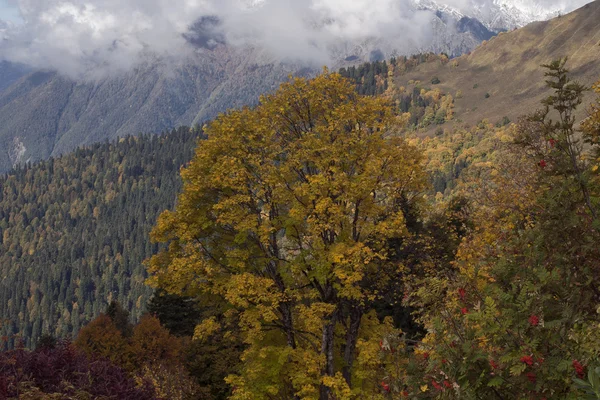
[(503, 14), (10, 73), (503, 77), (45, 114)]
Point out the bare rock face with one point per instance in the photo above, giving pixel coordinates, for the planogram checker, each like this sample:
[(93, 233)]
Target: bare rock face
[(16, 152)]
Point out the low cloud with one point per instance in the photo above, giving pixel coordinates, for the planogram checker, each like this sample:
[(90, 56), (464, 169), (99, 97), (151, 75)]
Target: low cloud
[(83, 38)]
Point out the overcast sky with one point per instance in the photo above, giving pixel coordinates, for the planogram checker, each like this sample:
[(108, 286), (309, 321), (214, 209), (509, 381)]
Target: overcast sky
[(75, 36), (8, 12)]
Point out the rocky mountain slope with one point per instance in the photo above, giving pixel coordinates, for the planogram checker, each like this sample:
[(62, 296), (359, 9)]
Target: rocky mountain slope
[(498, 15), (10, 73), (45, 114)]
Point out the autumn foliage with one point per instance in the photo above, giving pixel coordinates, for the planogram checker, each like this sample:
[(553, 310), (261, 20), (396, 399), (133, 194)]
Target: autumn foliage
[(308, 258), (518, 319), (286, 215), (150, 354)]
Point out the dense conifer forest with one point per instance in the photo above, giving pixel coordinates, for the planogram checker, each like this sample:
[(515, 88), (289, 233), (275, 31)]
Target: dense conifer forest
[(74, 232)]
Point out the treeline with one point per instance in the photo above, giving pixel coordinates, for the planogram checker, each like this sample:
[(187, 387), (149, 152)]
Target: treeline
[(426, 105), (74, 232), (370, 78)]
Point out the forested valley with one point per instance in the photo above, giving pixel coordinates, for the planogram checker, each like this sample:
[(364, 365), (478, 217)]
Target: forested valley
[(397, 230)]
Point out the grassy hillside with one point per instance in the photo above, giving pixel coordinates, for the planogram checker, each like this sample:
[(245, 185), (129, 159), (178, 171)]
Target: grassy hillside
[(502, 77)]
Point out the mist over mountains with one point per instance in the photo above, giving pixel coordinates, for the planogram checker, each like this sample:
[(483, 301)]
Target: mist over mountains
[(75, 73), (88, 39)]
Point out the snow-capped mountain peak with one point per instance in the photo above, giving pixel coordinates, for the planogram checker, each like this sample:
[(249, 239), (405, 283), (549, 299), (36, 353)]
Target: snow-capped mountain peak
[(500, 15)]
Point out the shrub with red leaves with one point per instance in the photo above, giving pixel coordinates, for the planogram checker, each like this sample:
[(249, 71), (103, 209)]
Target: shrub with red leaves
[(65, 370), (494, 365)]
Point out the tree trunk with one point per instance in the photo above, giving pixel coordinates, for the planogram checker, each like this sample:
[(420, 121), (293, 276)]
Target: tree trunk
[(356, 314), (288, 323), (285, 308), (327, 349)]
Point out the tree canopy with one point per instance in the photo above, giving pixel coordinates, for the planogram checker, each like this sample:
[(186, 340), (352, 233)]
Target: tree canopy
[(286, 215)]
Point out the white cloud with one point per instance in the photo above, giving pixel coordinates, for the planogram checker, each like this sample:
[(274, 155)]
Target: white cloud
[(78, 36), (90, 37)]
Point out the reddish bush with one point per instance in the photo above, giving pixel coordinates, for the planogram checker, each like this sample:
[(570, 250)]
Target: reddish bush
[(579, 369), (66, 370)]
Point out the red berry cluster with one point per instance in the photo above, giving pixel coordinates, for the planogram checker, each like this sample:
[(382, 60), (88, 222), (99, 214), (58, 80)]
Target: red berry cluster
[(527, 360), (385, 386), (534, 320), (445, 384), (579, 369)]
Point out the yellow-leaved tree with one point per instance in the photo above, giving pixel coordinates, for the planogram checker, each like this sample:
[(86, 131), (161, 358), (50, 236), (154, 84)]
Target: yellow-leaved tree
[(286, 215)]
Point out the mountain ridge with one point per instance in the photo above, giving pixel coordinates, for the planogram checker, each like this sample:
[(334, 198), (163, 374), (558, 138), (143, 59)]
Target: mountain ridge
[(500, 14), (81, 221), (503, 76)]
